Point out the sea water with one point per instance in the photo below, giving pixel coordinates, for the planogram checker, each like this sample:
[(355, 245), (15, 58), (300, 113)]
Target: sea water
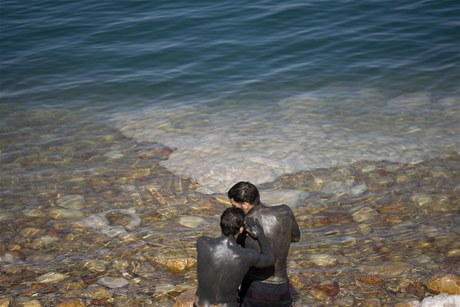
[(117, 116), (244, 91)]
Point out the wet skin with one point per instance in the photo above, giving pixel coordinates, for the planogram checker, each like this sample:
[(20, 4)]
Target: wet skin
[(222, 264), (280, 228)]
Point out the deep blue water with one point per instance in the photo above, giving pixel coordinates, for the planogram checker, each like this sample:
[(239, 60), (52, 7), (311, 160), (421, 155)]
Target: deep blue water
[(146, 52)]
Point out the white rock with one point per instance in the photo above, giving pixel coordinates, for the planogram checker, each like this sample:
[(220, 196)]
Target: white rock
[(441, 300), (358, 189), (61, 213), (323, 259), (191, 221), (113, 282), (73, 202), (51, 277)]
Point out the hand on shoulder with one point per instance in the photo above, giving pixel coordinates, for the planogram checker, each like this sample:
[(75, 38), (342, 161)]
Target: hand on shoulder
[(253, 227)]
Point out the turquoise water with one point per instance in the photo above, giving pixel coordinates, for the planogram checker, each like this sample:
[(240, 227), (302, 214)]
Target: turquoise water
[(72, 53), (311, 84)]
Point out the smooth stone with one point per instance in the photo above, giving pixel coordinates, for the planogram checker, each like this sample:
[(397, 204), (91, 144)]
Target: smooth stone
[(176, 264), (33, 212), (135, 219), (408, 304), (191, 221), (29, 231), (58, 213), (453, 253), (364, 214), (100, 222), (72, 303), (98, 292), (114, 154), (113, 282), (186, 298), (391, 269), (51, 277), (40, 257), (318, 294), (4, 302), (96, 221), (346, 301), (73, 202), (114, 231), (11, 269), (422, 199), (443, 300), (32, 303), (358, 189), (164, 288), (8, 257), (336, 187), (447, 283), (43, 241), (323, 259), (96, 265)]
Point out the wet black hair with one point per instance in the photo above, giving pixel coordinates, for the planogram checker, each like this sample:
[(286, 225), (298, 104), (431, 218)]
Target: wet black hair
[(244, 191), (231, 221)]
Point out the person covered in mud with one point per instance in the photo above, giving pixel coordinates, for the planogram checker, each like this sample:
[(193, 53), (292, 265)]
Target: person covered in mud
[(222, 263), (267, 286)]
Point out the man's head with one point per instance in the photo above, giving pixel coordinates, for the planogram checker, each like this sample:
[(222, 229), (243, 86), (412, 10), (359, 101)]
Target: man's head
[(244, 195), (232, 221)]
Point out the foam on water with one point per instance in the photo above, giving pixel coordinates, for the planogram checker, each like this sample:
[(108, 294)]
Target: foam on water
[(218, 145)]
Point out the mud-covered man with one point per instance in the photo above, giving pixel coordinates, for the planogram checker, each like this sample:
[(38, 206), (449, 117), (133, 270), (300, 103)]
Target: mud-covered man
[(267, 286), (222, 263)]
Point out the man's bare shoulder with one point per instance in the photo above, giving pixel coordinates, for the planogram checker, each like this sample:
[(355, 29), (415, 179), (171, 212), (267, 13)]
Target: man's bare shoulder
[(278, 209), (205, 240)]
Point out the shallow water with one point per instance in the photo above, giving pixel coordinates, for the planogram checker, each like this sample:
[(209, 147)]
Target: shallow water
[(84, 201)]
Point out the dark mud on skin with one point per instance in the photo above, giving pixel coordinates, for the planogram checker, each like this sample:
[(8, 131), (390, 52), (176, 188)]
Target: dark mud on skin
[(88, 214)]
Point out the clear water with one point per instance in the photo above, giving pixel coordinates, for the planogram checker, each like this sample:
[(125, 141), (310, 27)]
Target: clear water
[(245, 91), (308, 96)]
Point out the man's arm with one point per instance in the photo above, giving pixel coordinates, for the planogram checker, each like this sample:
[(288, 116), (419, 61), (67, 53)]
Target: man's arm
[(266, 257), (295, 231)]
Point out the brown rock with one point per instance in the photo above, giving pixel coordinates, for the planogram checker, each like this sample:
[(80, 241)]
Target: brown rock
[(318, 294), (176, 264), (98, 292), (408, 304), (186, 299), (417, 289), (330, 289), (370, 280), (32, 303), (72, 303), (324, 291), (444, 283), (4, 302)]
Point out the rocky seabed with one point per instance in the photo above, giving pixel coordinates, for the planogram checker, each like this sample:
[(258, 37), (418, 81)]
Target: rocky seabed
[(91, 218)]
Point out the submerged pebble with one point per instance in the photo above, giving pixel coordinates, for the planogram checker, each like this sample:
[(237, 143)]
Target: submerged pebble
[(52, 277), (72, 202), (445, 283), (113, 282), (191, 221)]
